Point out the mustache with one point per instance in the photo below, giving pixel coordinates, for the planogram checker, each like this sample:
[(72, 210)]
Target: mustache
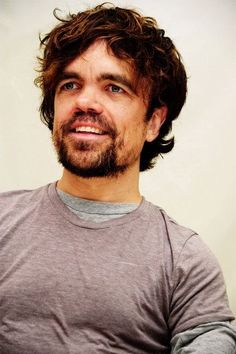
[(89, 117)]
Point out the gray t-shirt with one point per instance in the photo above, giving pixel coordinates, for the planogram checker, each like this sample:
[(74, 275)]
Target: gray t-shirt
[(121, 286), (95, 210)]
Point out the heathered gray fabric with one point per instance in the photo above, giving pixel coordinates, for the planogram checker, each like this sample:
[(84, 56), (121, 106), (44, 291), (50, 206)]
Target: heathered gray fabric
[(218, 338), (121, 286), (95, 211)]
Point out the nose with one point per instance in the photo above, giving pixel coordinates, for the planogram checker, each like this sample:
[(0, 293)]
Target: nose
[(88, 100)]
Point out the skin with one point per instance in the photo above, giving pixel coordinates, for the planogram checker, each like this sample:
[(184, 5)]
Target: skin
[(99, 83)]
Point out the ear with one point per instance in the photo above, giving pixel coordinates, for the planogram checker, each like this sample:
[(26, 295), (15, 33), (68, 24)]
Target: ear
[(154, 124)]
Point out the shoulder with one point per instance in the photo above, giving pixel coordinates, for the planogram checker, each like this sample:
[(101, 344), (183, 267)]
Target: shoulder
[(16, 197), (174, 234), (158, 214), (189, 254), (14, 203), (197, 287)]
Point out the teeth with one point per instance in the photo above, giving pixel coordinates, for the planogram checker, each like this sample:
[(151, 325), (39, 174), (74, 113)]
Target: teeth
[(88, 130)]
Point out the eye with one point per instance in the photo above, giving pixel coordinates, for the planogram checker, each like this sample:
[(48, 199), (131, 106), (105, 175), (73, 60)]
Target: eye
[(68, 86), (115, 89)]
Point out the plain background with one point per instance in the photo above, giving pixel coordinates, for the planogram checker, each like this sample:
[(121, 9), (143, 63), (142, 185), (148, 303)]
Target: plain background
[(195, 183)]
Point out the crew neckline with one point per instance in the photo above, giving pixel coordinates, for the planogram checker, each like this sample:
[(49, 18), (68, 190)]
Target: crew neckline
[(76, 220), (96, 211)]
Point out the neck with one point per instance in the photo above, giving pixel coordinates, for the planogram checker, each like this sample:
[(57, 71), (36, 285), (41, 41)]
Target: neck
[(121, 189)]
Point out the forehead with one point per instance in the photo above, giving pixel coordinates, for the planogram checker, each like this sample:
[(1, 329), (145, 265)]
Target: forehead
[(99, 58)]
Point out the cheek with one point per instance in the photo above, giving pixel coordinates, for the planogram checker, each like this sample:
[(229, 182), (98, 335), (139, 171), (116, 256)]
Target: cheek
[(62, 111), (133, 134), (56, 112), (59, 107)]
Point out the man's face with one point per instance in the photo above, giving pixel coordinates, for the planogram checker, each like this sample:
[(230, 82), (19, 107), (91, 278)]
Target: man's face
[(99, 122)]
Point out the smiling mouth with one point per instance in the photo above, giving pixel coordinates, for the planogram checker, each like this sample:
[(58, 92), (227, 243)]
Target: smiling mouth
[(90, 130)]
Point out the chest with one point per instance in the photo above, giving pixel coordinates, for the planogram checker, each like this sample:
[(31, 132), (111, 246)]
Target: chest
[(82, 281)]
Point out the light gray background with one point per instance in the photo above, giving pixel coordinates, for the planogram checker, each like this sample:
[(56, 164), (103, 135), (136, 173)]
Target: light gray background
[(196, 182)]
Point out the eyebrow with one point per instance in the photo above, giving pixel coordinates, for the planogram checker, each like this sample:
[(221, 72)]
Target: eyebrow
[(122, 79), (69, 75)]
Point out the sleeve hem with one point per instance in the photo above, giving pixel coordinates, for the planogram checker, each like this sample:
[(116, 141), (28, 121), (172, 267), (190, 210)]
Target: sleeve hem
[(201, 320)]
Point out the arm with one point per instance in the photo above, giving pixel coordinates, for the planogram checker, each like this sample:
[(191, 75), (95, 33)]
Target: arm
[(209, 338), (198, 293)]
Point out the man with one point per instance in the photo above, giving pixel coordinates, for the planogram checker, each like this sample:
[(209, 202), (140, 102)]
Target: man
[(87, 264)]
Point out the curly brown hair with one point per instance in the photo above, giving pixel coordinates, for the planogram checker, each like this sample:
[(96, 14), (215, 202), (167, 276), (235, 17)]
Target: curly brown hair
[(130, 36)]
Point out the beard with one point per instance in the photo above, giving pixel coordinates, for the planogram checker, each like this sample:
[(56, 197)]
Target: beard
[(89, 159), (104, 164)]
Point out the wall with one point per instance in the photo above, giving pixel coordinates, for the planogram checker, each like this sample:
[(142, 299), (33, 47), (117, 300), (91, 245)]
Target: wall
[(195, 182)]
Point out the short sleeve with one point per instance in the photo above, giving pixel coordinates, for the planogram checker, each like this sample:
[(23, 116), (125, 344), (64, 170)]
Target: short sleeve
[(198, 294)]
